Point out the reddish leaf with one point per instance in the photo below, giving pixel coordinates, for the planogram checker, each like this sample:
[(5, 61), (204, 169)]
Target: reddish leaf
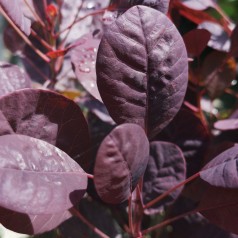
[(48, 116), (121, 161), (234, 42), (56, 53), (52, 10), (228, 124), (217, 73), (219, 193), (31, 224), (166, 168), (45, 179), (13, 10), (12, 78), (219, 40), (142, 69), (83, 58), (196, 41)]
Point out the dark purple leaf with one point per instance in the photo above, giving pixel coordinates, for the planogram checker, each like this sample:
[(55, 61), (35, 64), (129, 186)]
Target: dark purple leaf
[(219, 40), (234, 42), (166, 168), (196, 41), (44, 178), (123, 5), (219, 193), (13, 10), (188, 131), (142, 69), (48, 116), (83, 58), (217, 72), (12, 78), (198, 4), (31, 224), (226, 125), (121, 161)]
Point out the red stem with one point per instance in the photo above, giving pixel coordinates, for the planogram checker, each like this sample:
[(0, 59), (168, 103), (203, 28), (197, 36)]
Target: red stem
[(130, 216), (88, 223), (154, 201), (42, 41)]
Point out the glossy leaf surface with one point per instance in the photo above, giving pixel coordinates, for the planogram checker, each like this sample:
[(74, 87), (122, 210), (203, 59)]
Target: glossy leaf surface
[(121, 161), (47, 116), (12, 78), (83, 58), (45, 179), (13, 10), (166, 168), (226, 125), (142, 69)]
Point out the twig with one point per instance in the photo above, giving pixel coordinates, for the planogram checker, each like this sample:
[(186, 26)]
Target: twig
[(130, 215), (162, 196), (23, 36), (42, 41), (88, 223)]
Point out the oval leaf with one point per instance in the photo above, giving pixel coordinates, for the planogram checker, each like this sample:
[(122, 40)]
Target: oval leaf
[(48, 116), (142, 69), (227, 124), (45, 179), (220, 193), (13, 10), (166, 168), (121, 161), (12, 78), (83, 58)]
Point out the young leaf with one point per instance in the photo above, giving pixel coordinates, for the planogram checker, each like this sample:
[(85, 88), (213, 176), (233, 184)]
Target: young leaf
[(12, 78), (166, 168), (47, 116), (196, 41), (31, 224), (142, 69), (13, 10), (217, 73), (83, 58), (121, 161), (45, 179), (219, 193)]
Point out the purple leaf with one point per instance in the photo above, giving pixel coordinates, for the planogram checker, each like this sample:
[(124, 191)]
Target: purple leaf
[(234, 42), (121, 161), (83, 58), (45, 179), (219, 40), (31, 224), (219, 194), (48, 116), (12, 78), (13, 10), (226, 125), (123, 5), (198, 4), (166, 168), (196, 41), (217, 72), (142, 69)]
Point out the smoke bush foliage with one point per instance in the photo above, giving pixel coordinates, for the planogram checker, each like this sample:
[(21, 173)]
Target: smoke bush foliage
[(121, 121)]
